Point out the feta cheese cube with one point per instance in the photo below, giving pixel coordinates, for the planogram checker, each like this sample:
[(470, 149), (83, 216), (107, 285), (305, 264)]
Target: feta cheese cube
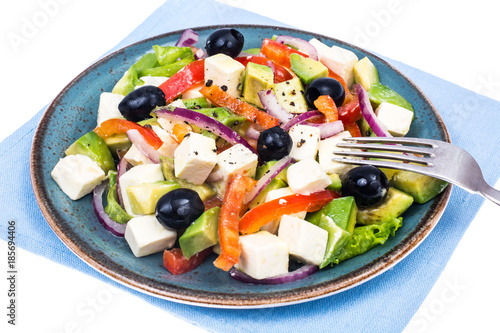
[(263, 255), (273, 226), (338, 59), (77, 175), (145, 236), (237, 159), (152, 80), (305, 142), (306, 241), (141, 174), (307, 176), (193, 92), (395, 118), (225, 71), (195, 158), (108, 107), (326, 149), (135, 157), (169, 144)]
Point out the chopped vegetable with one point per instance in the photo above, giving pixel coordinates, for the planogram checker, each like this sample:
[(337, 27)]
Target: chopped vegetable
[(113, 126), (176, 263), (326, 106), (184, 79)]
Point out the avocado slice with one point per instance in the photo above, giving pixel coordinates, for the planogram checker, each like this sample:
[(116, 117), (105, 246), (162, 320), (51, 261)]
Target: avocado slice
[(421, 187), (274, 184), (337, 238), (342, 211), (291, 95), (201, 234), (257, 78), (336, 184), (118, 142), (195, 103), (93, 146), (263, 169), (379, 93), (393, 206), (143, 197), (205, 191), (307, 69), (365, 73)]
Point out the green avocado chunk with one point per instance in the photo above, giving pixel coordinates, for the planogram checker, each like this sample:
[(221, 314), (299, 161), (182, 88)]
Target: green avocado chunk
[(113, 208), (379, 93), (118, 142), (201, 234), (205, 191), (94, 147), (263, 169), (342, 211), (336, 184), (395, 204), (291, 95), (365, 73), (307, 69), (257, 78), (143, 197), (366, 237), (337, 238), (421, 187)]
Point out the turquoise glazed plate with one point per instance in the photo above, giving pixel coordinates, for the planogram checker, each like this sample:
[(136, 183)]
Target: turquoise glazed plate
[(74, 113)]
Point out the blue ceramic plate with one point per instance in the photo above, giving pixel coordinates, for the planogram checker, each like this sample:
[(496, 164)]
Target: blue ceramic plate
[(74, 113)]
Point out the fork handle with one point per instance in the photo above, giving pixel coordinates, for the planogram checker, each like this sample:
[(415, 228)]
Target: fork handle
[(490, 193)]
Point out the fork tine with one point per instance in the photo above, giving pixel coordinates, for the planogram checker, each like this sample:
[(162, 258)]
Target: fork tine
[(403, 149), (389, 165), (389, 156), (395, 140)]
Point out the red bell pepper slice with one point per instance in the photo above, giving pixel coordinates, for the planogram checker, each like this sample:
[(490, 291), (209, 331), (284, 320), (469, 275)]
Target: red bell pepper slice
[(281, 73), (326, 106), (279, 53), (350, 112), (229, 221), (353, 130), (175, 262), (192, 74), (221, 98), (114, 126), (257, 217)]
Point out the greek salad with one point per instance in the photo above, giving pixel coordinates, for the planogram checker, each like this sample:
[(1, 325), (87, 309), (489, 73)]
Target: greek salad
[(214, 148)]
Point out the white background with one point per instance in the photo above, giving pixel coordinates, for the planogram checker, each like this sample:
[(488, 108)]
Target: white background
[(449, 39)]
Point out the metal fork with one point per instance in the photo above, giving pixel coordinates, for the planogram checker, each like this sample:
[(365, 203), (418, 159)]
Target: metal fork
[(439, 160)]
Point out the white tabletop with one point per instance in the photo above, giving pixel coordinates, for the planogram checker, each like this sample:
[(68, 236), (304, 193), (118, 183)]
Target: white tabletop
[(46, 43)]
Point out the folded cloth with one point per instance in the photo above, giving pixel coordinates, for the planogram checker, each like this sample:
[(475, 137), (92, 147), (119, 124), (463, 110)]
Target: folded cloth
[(383, 304)]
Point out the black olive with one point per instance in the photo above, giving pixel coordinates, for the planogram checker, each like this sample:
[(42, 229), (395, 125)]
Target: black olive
[(367, 184), (325, 86), (138, 104), (274, 144), (179, 208), (227, 41)]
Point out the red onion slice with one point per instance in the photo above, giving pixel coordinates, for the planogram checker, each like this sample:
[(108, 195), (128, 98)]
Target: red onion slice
[(266, 179), (270, 64), (273, 107), (327, 130), (200, 54), (299, 43), (188, 38), (296, 275), (367, 111), (252, 132), (301, 118), (205, 122), (144, 147), (120, 170), (115, 228)]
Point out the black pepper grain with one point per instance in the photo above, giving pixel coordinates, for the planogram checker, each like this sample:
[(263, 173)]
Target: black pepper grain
[(209, 83)]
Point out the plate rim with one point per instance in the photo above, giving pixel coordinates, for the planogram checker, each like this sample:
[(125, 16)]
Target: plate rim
[(279, 298)]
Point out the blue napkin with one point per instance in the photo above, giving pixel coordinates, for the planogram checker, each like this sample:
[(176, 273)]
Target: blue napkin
[(383, 304)]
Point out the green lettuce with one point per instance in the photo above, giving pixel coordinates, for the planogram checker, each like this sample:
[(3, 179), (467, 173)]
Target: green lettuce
[(113, 208)]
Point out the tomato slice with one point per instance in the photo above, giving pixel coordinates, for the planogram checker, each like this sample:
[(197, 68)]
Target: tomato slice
[(326, 105), (221, 98), (353, 130), (280, 73), (350, 112), (192, 74), (279, 53), (175, 262), (229, 221), (257, 217), (114, 126)]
